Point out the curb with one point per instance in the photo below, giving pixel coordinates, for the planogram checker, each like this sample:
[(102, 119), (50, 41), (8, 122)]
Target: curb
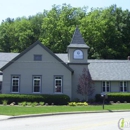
[(64, 113)]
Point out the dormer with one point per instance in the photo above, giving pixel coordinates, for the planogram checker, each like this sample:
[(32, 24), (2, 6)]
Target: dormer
[(77, 50)]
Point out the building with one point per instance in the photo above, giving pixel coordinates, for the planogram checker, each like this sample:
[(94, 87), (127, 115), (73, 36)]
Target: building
[(37, 70)]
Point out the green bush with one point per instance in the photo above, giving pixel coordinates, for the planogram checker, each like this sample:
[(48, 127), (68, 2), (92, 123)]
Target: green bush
[(98, 98), (115, 97), (41, 103), (119, 97), (72, 104), (46, 98), (29, 103), (20, 103), (4, 102), (34, 104), (24, 103), (78, 104), (82, 104)]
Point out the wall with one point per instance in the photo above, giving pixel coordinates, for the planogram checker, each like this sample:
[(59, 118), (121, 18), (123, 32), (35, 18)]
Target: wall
[(114, 86), (71, 55), (26, 67), (78, 68)]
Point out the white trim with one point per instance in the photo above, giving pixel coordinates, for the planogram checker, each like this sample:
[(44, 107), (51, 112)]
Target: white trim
[(61, 84), (107, 84), (123, 86), (40, 82), (13, 78)]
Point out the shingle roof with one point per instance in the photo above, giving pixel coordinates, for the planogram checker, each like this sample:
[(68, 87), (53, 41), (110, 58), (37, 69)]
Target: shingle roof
[(77, 40), (29, 48), (116, 70), (111, 70), (6, 57)]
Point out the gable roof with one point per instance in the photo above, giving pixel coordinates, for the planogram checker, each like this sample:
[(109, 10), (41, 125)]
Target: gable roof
[(6, 57), (110, 70), (29, 48), (106, 70), (77, 40), (100, 70)]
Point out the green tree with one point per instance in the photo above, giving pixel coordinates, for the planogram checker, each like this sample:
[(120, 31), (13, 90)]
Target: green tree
[(105, 32), (6, 35), (24, 35), (59, 25)]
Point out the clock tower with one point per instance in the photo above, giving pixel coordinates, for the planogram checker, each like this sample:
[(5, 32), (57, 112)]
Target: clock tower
[(77, 50), (77, 60)]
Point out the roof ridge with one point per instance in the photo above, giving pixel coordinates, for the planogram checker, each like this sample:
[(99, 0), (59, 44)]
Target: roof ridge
[(77, 37), (29, 48)]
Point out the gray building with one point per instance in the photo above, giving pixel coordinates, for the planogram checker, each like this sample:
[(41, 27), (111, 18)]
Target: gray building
[(37, 70)]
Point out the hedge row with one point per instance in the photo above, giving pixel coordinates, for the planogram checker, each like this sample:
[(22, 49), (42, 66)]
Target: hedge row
[(115, 97), (46, 98)]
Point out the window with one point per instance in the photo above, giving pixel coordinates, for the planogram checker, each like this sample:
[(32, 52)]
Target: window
[(36, 84), (15, 83), (37, 57), (0, 87), (123, 86), (58, 84), (105, 86)]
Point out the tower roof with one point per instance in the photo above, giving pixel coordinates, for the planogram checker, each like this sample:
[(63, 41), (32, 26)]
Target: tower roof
[(77, 40)]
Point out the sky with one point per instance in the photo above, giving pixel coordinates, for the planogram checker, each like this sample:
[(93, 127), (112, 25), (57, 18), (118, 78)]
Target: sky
[(20, 8)]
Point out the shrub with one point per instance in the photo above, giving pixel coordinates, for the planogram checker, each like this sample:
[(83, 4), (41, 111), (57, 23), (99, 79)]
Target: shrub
[(29, 103), (4, 102), (115, 97), (111, 102), (56, 99), (78, 104), (98, 98), (34, 104), (24, 103), (20, 104), (41, 103), (72, 104)]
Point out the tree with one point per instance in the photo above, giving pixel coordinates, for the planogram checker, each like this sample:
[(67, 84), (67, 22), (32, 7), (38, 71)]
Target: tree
[(7, 35), (85, 85), (58, 27), (107, 31)]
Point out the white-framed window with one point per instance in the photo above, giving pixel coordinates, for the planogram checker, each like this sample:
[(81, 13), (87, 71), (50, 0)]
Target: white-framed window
[(58, 84), (105, 86), (123, 86), (0, 86), (37, 57), (15, 83), (36, 84)]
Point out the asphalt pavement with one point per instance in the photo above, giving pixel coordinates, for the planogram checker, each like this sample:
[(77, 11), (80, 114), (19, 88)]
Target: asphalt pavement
[(5, 117)]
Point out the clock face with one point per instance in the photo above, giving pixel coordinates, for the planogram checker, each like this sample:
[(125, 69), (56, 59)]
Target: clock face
[(78, 54)]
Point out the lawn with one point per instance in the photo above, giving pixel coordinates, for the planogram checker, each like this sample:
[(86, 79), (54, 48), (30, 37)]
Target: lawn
[(20, 110)]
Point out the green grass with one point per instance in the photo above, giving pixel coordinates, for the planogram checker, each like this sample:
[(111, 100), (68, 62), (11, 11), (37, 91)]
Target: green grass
[(20, 110)]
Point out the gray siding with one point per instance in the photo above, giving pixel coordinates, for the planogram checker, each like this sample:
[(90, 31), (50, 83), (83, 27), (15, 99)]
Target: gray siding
[(26, 67), (114, 86), (75, 80), (71, 56)]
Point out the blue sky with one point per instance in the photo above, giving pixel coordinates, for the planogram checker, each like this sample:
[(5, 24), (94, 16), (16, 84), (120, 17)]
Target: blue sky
[(19, 8)]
